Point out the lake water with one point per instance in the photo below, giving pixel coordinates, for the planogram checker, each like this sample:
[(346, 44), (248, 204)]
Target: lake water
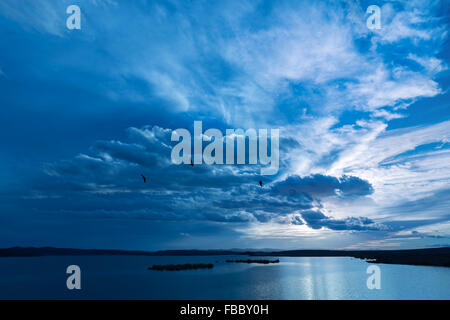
[(127, 277)]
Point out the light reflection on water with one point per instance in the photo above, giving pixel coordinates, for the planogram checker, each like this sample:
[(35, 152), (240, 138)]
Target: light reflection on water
[(127, 277)]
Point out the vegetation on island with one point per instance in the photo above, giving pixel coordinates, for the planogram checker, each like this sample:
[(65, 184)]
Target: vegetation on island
[(179, 267), (263, 261)]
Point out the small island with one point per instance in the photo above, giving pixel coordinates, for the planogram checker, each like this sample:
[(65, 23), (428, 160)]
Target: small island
[(254, 261), (179, 267)]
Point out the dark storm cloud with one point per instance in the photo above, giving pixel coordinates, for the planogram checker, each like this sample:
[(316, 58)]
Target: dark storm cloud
[(318, 220), (321, 186), (106, 183)]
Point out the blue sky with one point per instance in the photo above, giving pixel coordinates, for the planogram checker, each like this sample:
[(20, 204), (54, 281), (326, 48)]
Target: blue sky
[(364, 119)]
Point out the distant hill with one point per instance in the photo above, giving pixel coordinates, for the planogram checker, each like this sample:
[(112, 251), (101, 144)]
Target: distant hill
[(50, 251), (426, 257)]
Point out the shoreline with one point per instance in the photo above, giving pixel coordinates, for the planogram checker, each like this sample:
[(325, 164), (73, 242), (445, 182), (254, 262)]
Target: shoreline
[(438, 257)]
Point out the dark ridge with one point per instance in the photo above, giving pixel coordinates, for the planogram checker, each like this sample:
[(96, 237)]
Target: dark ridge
[(179, 267), (425, 257), (263, 261), (50, 251)]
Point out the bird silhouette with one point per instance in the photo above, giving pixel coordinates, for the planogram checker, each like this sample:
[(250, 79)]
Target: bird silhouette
[(144, 178), (192, 164), (260, 183)]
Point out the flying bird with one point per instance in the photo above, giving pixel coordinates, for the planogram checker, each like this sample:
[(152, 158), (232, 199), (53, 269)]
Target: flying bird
[(144, 178), (260, 183)]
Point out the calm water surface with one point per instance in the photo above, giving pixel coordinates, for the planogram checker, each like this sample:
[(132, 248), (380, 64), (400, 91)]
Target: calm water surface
[(127, 277)]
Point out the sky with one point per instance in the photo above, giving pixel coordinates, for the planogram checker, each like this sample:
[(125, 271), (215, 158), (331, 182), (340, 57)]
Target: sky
[(363, 117)]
